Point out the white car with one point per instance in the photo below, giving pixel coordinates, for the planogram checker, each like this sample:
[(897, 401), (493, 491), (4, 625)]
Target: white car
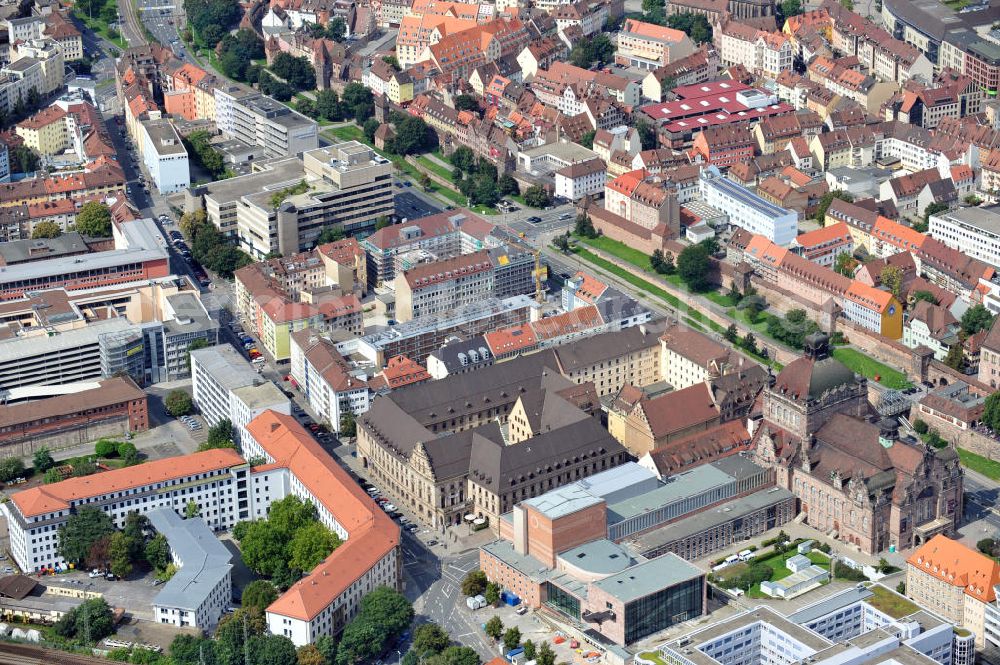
[(389, 508)]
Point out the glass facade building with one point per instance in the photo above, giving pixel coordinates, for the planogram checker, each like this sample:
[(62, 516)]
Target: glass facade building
[(663, 609)]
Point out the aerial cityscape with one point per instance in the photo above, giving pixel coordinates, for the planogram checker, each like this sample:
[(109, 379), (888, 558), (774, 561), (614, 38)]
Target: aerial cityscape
[(500, 332)]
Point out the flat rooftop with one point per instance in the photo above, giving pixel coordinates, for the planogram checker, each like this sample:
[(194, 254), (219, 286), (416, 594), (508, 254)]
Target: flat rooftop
[(649, 577), (561, 151), (258, 397), (600, 557), (18, 348), (706, 519), (830, 604), (676, 488), (228, 367), (163, 136), (982, 219), (563, 501), (275, 175)]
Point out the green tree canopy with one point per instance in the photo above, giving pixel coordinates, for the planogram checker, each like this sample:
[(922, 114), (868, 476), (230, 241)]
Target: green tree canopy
[(310, 545), (229, 636), (259, 594), (178, 403), (826, 200), (976, 318), (42, 460), (10, 468), (536, 197), (694, 267), (474, 583), (430, 638), (81, 530), (157, 552), (188, 649), (99, 621), (46, 229), (696, 26), (494, 627), (94, 220), (220, 435)]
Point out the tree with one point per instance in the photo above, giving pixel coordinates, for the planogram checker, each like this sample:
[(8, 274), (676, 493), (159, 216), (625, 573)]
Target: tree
[(157, 552), (310, 545), (192, 509), (511, 638), (892, 278), (412, 136), (695, 25), (991, 413), (826, 200), (924, 295), (474, 583), (986, 546), (536, 197), (327, 647), (975, 319), (494, 627), (371, 126), (11, 468), (94, 220), (295, 70), (348, 425), (647, 133), (921, 427), (561, 243), (91, 621), (192, 650), (259, 594), (732, 334), (46, 229), (933, 209), (229, 636), (330, 234), (220, 435), (328, 105), (790, 8), (546, 656), (106, 448), (52, 476), (463, 158), (42, 460), (121, 562), (23, 159), (391, 61), (529, 650), (656, 260), (178, 403), (430, 638), (749, 343), (455, 655), (309, 654), (492, 593), (508, 185), (845, 264), (956, 356), (587, 140), (466, 103), (693, 266), (901, 588), (356, 94), (128, 453), (384, 614)]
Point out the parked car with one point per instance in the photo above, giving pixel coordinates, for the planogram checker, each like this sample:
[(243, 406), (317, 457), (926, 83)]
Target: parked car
[(534, 219)]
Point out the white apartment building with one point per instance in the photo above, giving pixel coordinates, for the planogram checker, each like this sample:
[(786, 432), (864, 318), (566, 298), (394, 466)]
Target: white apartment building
[(324, 376), (225, 385), (202, 588), (214, 479), (328, 597), (688, 357), (581, 179), (747, 210), (165, 156), (228, 491), (973, 231)]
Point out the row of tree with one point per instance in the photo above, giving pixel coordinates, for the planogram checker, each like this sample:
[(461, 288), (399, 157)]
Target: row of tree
[(478, 179), (199, 145), (290, 541), (208, 246), (355, 103)]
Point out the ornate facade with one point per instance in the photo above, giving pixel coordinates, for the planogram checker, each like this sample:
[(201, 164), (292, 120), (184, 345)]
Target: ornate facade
[(855, 479)]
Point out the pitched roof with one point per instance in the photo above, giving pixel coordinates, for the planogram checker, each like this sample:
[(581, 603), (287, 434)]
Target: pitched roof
[(680, 409), (45, 499), (652, 31), (693, 345), (952, 562), (371, 533)]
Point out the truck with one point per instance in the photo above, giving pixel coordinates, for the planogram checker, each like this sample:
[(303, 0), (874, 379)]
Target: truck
[(476, 602)]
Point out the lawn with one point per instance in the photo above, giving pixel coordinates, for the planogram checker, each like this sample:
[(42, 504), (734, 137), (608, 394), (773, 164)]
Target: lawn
[(652, 657), (434, 167), (979, 464), (103, 29), (777, 565), (891, 603), (621, 250), (869, 367), (348, 133)]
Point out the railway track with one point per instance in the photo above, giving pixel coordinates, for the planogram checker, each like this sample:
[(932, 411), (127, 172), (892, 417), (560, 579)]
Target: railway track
[(29, 654)]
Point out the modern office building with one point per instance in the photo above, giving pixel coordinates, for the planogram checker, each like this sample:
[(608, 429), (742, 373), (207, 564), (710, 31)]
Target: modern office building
[(165, 156), (747, 210), (256, 120), (974, 232), (225, 386), (202, 588)]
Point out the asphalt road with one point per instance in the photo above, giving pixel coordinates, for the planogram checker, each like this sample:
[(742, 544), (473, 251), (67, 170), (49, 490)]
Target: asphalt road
[(980, 499), (410, 205)]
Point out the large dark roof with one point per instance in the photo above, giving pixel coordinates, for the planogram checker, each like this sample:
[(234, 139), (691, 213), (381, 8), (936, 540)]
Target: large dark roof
[(808, 378)]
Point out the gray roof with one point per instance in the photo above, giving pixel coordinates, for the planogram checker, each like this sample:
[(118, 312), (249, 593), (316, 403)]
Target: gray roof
[(163, 136), (983, 219), (227, 366), (649, 577), (16, 348), (272, 176), (189, 313), (707, 519), (600, 557), (452, 354), (830, 604), (20, 251), (205, 561), (588, 351)]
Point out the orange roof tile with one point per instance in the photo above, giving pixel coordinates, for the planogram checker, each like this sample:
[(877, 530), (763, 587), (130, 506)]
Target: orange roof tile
[(897, 234), (651, 30), (58, 496), (371, 533), (510, 340), (868, 296), (952, 562), (824, 235)]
